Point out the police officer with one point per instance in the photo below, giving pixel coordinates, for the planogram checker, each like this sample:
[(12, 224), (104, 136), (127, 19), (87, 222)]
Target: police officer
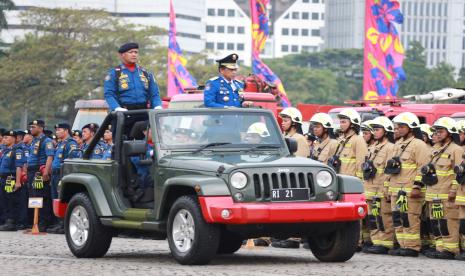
[(77, 136), (10, 179), (441, 189), (108, 140), (39, 166), (376, 190), (22, 193), (326, 144), (405, 186), (130, 86), (223, 90), (88, 132)]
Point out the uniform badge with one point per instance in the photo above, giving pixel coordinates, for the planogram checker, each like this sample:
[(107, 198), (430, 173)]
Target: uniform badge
[(124, 85), (225, 98), (107, 78), (234, 57), (96, 151), (18, 156), (49, 146)]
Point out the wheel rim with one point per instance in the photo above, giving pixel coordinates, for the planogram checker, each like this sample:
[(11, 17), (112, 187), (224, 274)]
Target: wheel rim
[(183, 230), (79, 226)]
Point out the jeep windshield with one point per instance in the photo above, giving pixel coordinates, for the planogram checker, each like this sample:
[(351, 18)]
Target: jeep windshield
[(211, 131)]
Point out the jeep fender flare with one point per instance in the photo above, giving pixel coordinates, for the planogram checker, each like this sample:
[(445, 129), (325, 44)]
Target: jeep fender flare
[(350, 184), (75, 181)]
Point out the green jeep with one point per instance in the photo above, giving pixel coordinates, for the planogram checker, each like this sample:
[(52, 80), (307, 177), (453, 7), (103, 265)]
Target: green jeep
[(217, 178)]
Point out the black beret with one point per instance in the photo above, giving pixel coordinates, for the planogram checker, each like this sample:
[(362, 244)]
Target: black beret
[(128, 46), (77, 132), (9, 133), (62, 125), (48, 133), (37, 123), (229, 61), (92, 126), (20, 132)]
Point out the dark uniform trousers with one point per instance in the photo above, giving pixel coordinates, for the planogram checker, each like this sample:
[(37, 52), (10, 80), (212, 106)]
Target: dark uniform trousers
[(15, 203), (54, 183), (45, 213)]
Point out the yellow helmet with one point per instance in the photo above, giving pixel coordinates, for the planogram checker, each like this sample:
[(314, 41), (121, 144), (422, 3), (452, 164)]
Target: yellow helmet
[(384, 122), (408, 118), (292, 113), (351, 114), (323, 119), (447, 123), (366, 126), (461, 125), (426, 129), (258, 128)]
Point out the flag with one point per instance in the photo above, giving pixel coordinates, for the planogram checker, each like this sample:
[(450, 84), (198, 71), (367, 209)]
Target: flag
[(383, 53), (260, 32), (178, 76)]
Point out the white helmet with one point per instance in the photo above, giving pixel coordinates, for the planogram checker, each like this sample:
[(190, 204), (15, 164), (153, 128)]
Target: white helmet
[(322, 118), (426, 129), (384, 122), (352, 114), (408, 118), (366, 126), (258, 128), (447, 123), (292, 113), (461, 125)]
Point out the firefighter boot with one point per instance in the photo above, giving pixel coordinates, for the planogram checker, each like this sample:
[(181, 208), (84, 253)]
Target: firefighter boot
[(376, 249), (407, 252), (444, 255), (460, 257)]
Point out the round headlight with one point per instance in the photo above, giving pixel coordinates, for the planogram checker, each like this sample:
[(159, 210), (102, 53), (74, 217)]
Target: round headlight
[(324, 179), (238, 180)]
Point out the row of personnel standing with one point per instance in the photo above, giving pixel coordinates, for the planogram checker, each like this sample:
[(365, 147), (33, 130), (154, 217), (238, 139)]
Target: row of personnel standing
[(414, 177)]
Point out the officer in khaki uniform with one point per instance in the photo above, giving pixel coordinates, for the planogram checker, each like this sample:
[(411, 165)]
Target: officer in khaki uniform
[(367, 133), (376, 187), (441, 189), (326, 144), (292, 127), (460, 202), (405, 186)]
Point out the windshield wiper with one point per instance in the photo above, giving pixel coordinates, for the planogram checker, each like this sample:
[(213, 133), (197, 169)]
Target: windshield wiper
[(265, 147), (210, 145)]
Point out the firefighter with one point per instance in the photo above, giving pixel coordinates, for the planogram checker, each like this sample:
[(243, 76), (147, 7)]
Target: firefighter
[(292, 127), (460, 202), (427, 135), (376, 185), (325, 145), (461, 128), (367, 133), (405, 185), (441, 189)]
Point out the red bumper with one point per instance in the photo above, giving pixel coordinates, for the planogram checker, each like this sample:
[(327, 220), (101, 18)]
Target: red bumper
[(296, 212), (59, 208)]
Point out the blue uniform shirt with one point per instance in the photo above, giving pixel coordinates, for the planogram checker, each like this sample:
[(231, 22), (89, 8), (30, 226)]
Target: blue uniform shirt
[(38, 157), (107, 153), (142, 170), (98, 151), (62, 152), (131, 88), (220, 93), (12, 158)]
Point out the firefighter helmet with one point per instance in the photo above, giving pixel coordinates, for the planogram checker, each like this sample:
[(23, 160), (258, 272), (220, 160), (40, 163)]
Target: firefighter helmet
[(383, 122), (366, 126), (350, 114), (258, 128), (425, 128), (447, 123), (292, 113), (407, 118), (322, 118)]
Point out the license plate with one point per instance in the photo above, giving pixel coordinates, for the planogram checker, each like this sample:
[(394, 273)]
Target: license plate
[(289, 194)]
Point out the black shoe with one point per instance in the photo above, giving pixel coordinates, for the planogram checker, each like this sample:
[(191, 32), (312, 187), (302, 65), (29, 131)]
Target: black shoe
[(366, 246), (427, 249), (444, 255), (21, 227), (460, 257), (261, 242), (286, 244), (407, 252), (377, 249), (8, 226), (395, 252)]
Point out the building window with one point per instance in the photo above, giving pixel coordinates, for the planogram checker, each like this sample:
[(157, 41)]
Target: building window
[(231, 29), (285, 48), (295, 15), (211, 12), (210, 29), (240, 46), (315, 32), (427, 9), (444, 43), (445, 26), (220, 12), (322, 16), (315, 1), (427, 25), (231, 13), (210, 45), (304, 32), (285, 31), (220, 46), (305, 15), (220, 29), (305, 1), (415, 8), (240, 30), (294, 48), (439, 12), (421, 8), (295, 32), (286, 17), (433, 10), (230, 46), (314, 16)]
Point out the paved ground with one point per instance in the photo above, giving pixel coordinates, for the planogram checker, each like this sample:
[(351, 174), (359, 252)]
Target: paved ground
[(49, 255)]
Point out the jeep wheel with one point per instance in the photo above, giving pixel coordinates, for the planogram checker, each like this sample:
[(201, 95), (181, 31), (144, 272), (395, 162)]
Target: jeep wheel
[(85, 235), (337, 246), (229, 242), (192, 241)]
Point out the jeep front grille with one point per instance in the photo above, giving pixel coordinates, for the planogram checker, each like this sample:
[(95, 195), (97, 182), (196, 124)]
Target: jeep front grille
[(265, 182)]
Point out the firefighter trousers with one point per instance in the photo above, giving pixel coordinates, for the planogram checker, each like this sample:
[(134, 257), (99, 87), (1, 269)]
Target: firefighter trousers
[(462, 226), (380, 225), (446, 229), (407, 224)]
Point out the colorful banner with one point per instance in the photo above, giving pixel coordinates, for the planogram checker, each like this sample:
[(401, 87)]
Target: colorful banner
[(178, 76), (384, 54), (260, 32)]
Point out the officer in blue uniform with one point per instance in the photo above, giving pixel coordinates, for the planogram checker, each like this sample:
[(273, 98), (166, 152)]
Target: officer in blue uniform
[(129, 86), (88, 132), (77, 136), (39, 166), (11, 164), (223, 90), (108, 140), (22, 193)]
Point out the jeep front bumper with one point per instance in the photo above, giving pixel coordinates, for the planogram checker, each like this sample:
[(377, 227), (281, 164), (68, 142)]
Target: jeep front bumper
[(222, 209)]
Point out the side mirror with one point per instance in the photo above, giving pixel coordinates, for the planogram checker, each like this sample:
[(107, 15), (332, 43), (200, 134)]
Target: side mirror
[(133, 148), (291, 145)]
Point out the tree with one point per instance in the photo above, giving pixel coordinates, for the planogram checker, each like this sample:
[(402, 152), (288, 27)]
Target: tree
[(416, 71)]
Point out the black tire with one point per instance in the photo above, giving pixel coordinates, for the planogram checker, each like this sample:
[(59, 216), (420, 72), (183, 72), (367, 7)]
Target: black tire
[(205, 239), (99, 237), (337, 246), (229, 242)]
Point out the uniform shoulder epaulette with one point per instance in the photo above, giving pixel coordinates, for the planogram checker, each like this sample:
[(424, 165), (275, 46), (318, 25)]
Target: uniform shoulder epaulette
[(214, 78)]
